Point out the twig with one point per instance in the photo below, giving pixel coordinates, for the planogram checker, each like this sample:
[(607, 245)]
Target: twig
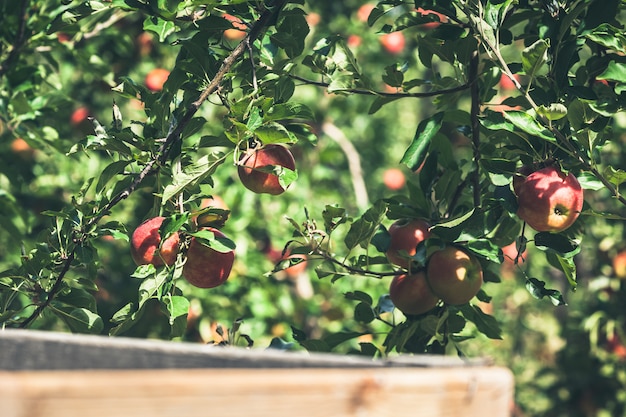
[(383, 93), (161, 155), (475, 123)]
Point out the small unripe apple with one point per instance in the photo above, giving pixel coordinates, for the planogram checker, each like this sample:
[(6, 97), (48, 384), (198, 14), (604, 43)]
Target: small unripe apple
[(405, 235), (205, 267), (454, 275), (156, 79), (254, 164), (549, 200), (393, 42), (145, 241), (411, 294)]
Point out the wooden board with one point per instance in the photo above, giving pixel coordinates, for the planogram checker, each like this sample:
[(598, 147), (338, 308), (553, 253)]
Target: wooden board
[(58, 374), (299, 392)]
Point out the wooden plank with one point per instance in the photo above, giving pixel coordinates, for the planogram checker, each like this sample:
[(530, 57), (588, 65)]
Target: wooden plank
[(38, 350), (380, 392)]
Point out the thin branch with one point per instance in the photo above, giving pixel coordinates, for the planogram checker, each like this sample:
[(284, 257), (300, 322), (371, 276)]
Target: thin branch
[(357, 271), (383, 93), (20, 40), (475, 123), (161, 155), (354, 163)]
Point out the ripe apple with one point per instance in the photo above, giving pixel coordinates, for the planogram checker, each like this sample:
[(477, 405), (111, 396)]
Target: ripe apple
[(354, 41), (506, 84), (393, 42), (79, 115), (411, 294), (156, 78), (238, 32), (251, 165), (394, 179), (619, 265), (454, 275), (432, 25), (21, 148), (206, 267), (405, 236), (145, 241), (364, 12), (549, 200)]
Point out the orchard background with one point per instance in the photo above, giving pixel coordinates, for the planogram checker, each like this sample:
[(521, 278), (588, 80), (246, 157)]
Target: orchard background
[(391, 111)]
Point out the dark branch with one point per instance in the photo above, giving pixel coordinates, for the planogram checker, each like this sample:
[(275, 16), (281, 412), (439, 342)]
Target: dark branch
[(20, 40)]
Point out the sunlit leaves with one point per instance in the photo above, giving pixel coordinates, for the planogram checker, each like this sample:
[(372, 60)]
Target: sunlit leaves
[(416, 153)]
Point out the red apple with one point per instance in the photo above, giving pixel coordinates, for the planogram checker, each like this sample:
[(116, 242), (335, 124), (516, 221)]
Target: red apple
[(313, 19), (411, 294), (238, 32), (205, 267), (619, 265), (393, 42), (511, 254), (394, 179), (354, 41), (454, 275), (145, 241), (549, 200), (21, 148), (156, 78), (432, 25), (254, 164), (405, 235), (364, 12), (506, 84), (79, 115)]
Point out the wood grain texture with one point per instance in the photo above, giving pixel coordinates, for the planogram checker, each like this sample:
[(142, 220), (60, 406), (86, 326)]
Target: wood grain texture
[(393, 392)]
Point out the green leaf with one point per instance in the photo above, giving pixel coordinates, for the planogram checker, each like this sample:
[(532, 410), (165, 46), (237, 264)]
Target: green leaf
[(291, 31), (81, 320), (615, 176), (176, 306), (609, 36), (418, 149), (527, 123), (486, 324), (537, 289), (218, 244), (363, 313), (359, 296), (335, 339), (486, 249), (566, 265), (362, 230), (559, 243), (192, 174), (163, 28), (535, 58), (333, 217), (274, 133), (554, 111), (451, 229)]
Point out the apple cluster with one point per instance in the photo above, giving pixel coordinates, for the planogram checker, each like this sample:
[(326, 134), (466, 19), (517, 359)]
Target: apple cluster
[(451, 274), (206, 267)]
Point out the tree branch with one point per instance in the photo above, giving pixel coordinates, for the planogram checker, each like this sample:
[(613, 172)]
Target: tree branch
[(383, 93), (475, 123), (161, 155)]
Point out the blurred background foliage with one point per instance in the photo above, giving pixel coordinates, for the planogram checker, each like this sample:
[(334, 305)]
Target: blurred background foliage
[(568, 360)]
